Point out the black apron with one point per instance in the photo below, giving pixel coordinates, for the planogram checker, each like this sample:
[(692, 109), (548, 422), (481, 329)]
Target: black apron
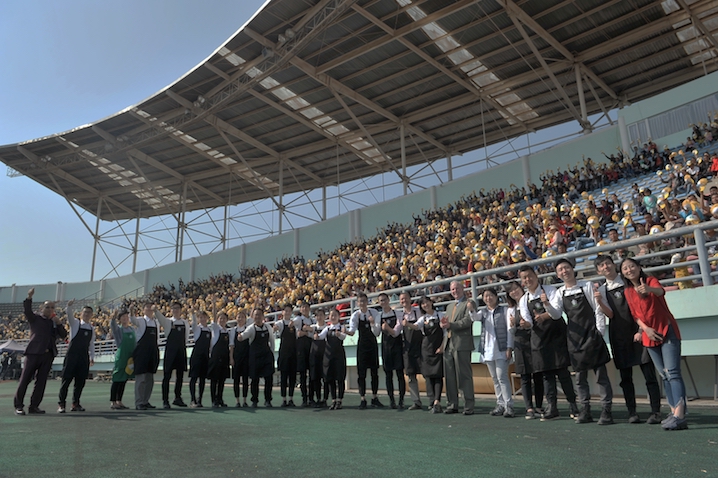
[(287, 361), (335, 360), (549, 349), (367, 348), (316, 358), (621, 329), (304, 346), (261, 357), (199, 362), (392, 348), (412, 347), (147, 353), (241, 356), (219, 359), (432, 364), (176, 349), (522, 348), (77, 359), (586, 347)]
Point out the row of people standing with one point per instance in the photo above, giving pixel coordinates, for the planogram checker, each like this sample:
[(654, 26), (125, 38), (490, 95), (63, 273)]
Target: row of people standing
[(545, 344)]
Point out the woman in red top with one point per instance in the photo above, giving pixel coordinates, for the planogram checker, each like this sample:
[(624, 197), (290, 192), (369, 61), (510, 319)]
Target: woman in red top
[(659, 331)]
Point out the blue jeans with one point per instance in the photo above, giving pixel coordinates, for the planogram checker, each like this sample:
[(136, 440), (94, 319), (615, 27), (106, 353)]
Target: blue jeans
[(667, 359)]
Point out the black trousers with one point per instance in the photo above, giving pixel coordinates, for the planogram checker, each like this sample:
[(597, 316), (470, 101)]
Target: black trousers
[(166, 384), (37, 366), (390, 384), (76, 391), (629, 391), (245, 385), (267, 389), (117, 390), (532, 388), (336, 388), (361, 371), (549, 382), (192, 388)]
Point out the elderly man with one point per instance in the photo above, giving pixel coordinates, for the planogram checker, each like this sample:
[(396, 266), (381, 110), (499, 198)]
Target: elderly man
[(457, 353), (45, 329)]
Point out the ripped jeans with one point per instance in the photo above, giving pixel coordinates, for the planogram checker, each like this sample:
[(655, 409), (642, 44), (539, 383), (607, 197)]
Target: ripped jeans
[(667, 359)]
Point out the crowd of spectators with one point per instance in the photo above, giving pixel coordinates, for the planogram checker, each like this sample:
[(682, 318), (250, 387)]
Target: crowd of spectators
[(480, 231)]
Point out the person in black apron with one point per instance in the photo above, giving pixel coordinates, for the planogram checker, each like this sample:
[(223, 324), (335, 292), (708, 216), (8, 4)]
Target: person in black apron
[(302, 324), (261, 356), (412, 348), (199, 361), (316, 359), (80, 356), (586, 347), (146, 356), (239, 359), (287, 360), (549, 346), (432, 349), (392, 351), (335, 360), (366, 322), (531, 382), (627, 352), (218, 370), (177, 335)]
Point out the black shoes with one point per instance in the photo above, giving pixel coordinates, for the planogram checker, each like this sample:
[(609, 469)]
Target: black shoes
[(376, 403), (362, 405), (585, 415), (35, 411), (606, 417), (179, 402)]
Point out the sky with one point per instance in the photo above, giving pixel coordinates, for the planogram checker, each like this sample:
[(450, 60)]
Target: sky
[(69, 63)]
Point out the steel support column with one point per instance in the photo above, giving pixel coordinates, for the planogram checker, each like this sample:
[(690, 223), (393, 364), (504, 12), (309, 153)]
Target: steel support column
[(581, 97), (280, 206), (404, 179), (449, 167), (136, 244), (96, 237), (324, 203)]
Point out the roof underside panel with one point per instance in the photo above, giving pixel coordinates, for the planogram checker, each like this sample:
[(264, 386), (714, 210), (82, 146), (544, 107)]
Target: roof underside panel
[(315, 90)]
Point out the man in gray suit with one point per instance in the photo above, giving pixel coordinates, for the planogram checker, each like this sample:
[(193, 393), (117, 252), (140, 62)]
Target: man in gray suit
[(457, 354)]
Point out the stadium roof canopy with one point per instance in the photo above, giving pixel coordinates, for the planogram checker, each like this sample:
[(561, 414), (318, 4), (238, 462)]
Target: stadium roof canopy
[(311, 90)]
